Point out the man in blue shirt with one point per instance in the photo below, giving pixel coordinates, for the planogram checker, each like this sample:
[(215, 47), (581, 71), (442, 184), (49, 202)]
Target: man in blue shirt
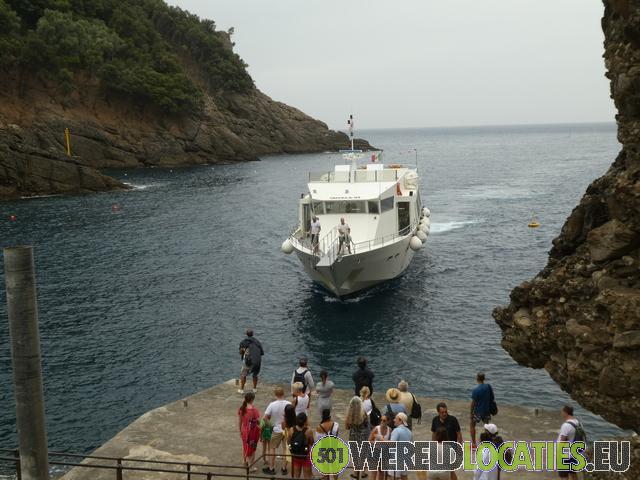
[(481, 397), (401, 433)]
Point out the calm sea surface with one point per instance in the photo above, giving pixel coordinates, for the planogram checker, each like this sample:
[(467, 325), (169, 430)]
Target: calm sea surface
[(145, 306)]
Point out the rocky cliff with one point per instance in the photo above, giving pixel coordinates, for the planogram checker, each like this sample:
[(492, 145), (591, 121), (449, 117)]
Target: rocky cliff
[(579, 318), (108, 133), (138, 83)]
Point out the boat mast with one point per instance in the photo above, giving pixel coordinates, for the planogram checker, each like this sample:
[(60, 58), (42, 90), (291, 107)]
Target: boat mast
[(350, 123)]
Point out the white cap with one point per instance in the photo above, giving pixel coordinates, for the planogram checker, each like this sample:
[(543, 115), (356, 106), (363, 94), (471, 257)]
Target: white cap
[(491, 428), (403, 418)]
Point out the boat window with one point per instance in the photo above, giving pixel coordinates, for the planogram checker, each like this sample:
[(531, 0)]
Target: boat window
[(386, 204), (344, 207), (354, 207), (318, 208), (373, 206)]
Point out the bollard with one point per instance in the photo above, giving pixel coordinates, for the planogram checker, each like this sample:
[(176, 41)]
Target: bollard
[(22, 311)]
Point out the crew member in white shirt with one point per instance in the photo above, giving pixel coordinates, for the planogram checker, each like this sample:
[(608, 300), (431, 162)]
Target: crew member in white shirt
[(344, 236), (315, 233)]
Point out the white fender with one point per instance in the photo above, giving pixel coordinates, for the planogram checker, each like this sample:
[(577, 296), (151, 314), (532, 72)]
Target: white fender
[(415, 243), (287, 246), (422, 236)]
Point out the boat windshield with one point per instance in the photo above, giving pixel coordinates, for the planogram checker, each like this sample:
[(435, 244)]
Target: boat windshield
[(347, 206)]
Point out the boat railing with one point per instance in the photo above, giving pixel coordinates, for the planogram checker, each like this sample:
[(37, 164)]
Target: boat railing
[(384, 240), (324, 244), (329, 245), (332, 249), (355, 176)]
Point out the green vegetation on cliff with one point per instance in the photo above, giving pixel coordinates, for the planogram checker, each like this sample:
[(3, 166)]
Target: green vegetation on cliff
[(140, 49)]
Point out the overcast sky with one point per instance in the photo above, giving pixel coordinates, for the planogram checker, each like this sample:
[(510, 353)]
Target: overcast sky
[(421, 63)]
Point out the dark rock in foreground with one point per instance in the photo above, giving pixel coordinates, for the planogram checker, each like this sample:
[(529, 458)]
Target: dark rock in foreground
[(580, 317)]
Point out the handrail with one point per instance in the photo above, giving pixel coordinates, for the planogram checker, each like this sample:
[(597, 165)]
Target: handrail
[(208, 470), (328, 246), (385, 238), (356, 176)]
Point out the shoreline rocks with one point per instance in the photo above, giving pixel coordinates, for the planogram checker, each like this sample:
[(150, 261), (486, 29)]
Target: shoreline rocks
[(111, 133), (579, 318)]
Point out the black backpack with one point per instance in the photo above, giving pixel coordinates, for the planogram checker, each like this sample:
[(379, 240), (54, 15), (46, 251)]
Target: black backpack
[(298, 445), (299, 377), (390, 415), (416, 409), (375, 415), (247, 358), (493, 406), (581, 435)]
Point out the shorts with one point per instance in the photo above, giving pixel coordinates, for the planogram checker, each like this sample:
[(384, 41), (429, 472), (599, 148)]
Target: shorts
[(475, 418), (439, 475), (565, 473), (300, 462), (254, 370), (276, 440)]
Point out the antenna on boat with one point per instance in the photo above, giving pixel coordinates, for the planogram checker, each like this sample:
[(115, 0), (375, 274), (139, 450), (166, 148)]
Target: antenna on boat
[(350, 123), (351, 154)]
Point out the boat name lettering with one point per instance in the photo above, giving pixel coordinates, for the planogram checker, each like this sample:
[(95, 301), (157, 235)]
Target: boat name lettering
[(344, 198)]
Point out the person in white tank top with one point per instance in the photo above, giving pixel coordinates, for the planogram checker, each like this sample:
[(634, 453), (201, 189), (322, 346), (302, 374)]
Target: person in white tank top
[(301, 400), (380, 433)]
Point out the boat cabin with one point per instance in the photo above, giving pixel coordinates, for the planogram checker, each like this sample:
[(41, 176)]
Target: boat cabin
[(377, 201)]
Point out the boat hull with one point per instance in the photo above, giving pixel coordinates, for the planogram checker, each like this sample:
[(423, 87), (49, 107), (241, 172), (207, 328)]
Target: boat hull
[(359, 271)]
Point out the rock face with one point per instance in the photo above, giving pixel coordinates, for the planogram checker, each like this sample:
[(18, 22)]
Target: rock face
[(110, 133), (580, 317)]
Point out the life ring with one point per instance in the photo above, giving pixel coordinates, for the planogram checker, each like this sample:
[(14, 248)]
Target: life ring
[(395, 165)]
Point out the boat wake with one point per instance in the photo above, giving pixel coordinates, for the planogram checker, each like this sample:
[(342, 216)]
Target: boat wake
[(443, 227), (143, 187)]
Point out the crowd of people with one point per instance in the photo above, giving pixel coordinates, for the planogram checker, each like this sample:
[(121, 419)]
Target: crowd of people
[(285, 433)]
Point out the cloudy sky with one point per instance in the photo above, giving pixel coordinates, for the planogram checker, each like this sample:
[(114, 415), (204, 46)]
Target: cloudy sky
[(422, 63)]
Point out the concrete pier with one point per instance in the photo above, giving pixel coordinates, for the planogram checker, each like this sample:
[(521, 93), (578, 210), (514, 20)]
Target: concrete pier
[(203, 428)]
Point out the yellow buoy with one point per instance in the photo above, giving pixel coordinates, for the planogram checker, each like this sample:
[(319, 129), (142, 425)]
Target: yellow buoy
[(533, 223)]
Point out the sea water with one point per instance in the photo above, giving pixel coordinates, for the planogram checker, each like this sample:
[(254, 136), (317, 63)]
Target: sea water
[(143, 304)]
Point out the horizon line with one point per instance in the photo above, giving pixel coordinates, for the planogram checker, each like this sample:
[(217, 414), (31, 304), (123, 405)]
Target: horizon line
[(550, 124)]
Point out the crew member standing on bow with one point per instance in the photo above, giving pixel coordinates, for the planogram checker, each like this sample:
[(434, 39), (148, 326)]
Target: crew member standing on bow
[(343, 236)]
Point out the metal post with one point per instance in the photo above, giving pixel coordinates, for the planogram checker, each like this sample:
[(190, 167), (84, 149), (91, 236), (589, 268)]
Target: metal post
[(27, 369), (16, 453), (119, 470)]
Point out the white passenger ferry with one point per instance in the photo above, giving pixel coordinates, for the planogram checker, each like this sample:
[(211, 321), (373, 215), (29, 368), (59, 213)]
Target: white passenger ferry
[(387, 224)]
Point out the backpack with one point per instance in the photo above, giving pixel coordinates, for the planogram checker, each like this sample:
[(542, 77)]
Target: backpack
[(375, 415), (581, 435), (246, 357), (298, 444), (416, 409), (389, 413), (300, 377), (493, 406)]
